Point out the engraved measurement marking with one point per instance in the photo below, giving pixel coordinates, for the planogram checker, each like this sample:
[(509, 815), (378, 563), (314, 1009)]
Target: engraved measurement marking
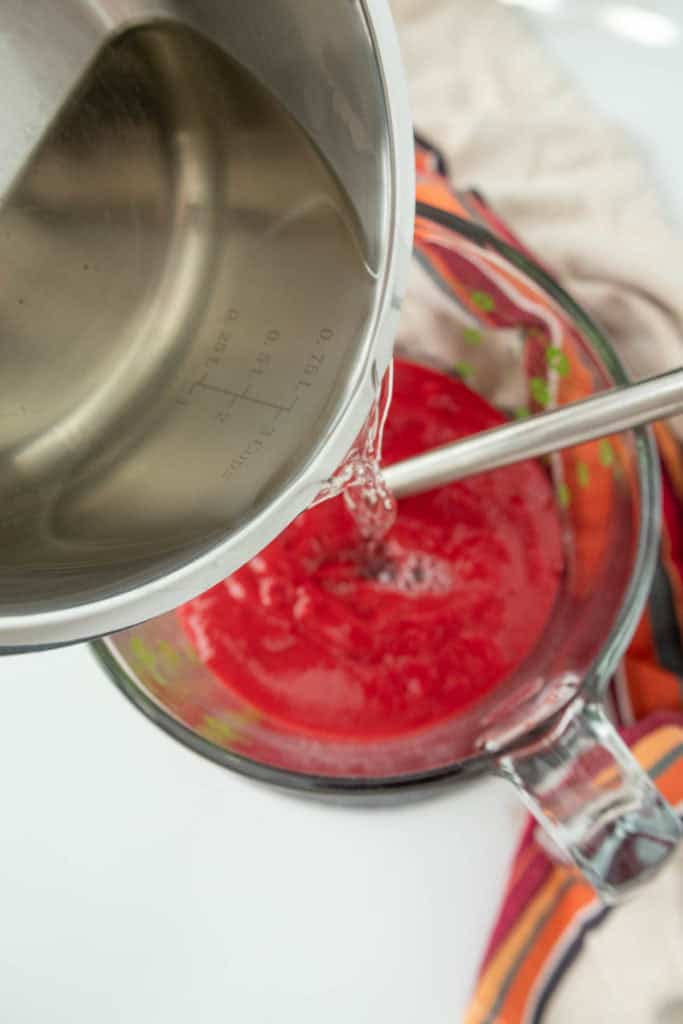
[(311, 369), (236, 396), (240, 396), (214, 358), (263, 363), (255, 447)]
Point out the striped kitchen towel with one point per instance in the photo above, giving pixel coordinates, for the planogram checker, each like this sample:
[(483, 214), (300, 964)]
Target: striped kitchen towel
[(548, 909)]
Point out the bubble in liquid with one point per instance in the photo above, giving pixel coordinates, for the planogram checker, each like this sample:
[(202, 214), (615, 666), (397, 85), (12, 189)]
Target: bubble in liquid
[(415, 574)]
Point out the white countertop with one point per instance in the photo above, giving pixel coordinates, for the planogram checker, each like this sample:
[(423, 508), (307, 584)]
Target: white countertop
[(139, 883)]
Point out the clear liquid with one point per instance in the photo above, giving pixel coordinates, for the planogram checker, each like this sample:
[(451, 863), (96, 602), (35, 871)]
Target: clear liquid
[(179, 330), (360, 479)]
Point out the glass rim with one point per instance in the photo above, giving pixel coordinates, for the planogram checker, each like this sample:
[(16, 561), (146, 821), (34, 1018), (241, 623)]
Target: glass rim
[(597, 676)]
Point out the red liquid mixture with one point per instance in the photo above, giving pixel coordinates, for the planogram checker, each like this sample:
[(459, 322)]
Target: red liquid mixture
[(331, 641)]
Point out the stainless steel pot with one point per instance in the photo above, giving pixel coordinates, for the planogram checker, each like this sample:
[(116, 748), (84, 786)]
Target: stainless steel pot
[(206, 219)]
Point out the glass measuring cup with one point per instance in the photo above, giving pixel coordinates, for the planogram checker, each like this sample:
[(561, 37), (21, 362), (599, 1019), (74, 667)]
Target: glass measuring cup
[(479, 306)]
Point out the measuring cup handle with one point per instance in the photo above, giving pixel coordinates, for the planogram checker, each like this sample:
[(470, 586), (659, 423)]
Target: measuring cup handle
[(590, 794)]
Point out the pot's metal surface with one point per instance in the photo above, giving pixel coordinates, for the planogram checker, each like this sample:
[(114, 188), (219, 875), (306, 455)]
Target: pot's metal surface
[(206, 217)]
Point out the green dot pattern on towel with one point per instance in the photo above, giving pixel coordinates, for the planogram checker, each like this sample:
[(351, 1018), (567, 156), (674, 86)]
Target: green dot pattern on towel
[(219, 731), (606, 453), (583, 475), (564, 495), (472, 336), (149, 660), (464, 370), (483, 301), (540, 392), (228, 729), (557, 360)]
